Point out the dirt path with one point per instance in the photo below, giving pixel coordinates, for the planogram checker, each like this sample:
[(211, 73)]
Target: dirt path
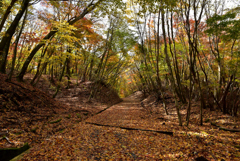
[(90, 142), (130, 114), (121, 114), (66, 135)]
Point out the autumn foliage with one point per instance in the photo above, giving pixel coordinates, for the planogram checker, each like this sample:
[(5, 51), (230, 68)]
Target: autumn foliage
[(174, 61)]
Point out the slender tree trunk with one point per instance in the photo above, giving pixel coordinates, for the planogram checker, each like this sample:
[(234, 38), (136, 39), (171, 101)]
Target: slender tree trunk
[(101, 65), (68, 71), (16, 45), (6, 40), (83, 79), (60, 79), (20, 56), (40, 73), (32, 54), (7, 12), (170, 69), (38, 67), (51, 74), (91, 68), (157, 64), (189, 100), (174, 58), (43, 68)]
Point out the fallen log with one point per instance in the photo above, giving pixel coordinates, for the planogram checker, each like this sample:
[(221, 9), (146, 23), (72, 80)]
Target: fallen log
[(129, 128), (9, 153), (225, 129), (103, 110)]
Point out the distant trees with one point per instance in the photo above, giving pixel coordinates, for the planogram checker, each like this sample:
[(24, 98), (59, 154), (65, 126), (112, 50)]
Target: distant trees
[(189, 48), (63, 42), (179, 50)]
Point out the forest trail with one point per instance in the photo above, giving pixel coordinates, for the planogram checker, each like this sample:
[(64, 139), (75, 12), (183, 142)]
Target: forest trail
[(86, 141), (130, 130), (109, 135), (62, 74), (129, 114), (127, 130), (121, 114)]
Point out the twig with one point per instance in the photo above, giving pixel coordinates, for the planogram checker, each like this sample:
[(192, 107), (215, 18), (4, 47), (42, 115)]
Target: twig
[(225, 129), (4, 136), (7, 140)]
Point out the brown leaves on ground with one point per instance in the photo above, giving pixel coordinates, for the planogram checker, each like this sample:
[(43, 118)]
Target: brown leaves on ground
[(66, 136), (24, 109), (90, 142), (31, 115)]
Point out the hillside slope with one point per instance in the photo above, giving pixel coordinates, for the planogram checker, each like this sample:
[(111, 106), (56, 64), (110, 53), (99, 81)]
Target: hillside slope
[(30, 115)]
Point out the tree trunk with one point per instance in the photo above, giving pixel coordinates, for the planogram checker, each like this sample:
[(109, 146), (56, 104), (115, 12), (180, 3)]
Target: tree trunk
[(5, 43), (170, 69), (88, 9), (38, 67), (32, 54), (68, 71), (7, 12), (16, 45), (60, 79)]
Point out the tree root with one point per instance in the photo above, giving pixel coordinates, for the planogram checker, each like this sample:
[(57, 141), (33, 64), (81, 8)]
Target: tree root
[(225, 129), (129, 128)]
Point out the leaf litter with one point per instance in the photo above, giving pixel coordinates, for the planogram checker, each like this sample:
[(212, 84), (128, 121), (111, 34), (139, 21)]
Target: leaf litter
[(70, 138)]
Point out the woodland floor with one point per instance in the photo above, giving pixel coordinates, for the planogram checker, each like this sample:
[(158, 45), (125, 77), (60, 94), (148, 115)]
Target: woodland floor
[(99, 130)]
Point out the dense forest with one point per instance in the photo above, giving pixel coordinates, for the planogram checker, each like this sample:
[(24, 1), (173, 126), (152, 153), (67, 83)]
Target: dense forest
[(183, 50)]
